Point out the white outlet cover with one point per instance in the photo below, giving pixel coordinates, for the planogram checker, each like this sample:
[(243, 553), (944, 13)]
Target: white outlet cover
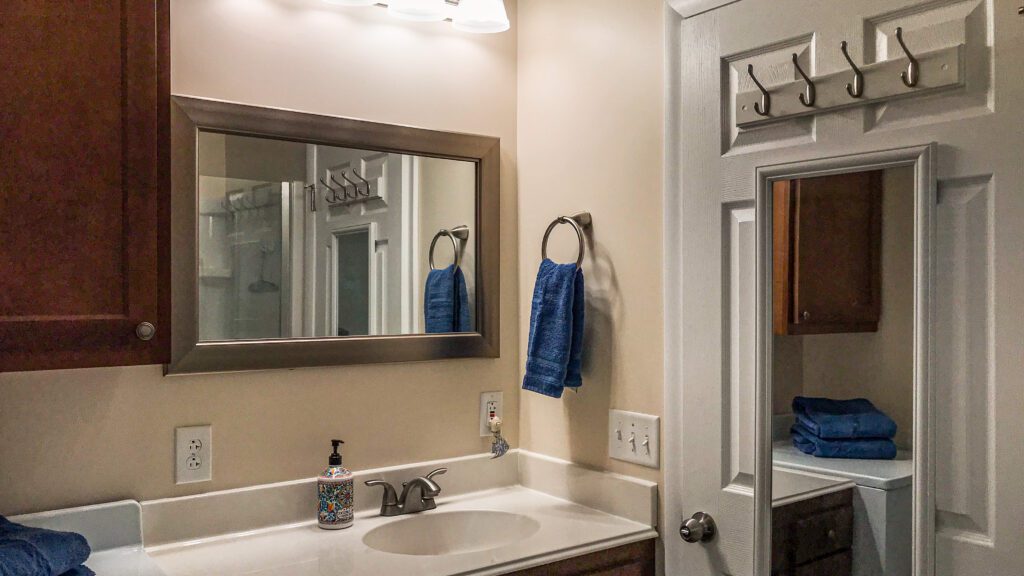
[(489, 400), (641, 428), (193, 454)]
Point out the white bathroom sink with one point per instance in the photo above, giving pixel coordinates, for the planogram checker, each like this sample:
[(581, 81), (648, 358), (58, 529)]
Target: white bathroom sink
[(444, 533)]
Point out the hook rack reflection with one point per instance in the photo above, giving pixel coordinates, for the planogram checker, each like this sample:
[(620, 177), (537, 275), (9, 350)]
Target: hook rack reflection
[(342, 193)]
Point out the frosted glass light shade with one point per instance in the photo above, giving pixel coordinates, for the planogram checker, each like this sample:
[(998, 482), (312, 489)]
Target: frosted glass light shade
[(418, 10), (351, 2), (481, 16)]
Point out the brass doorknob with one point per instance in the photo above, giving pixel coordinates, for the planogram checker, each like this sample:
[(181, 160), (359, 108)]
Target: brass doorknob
[(698, 528)]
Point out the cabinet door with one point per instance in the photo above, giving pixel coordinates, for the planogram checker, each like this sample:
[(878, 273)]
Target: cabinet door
[(84, 112), (827, 254)]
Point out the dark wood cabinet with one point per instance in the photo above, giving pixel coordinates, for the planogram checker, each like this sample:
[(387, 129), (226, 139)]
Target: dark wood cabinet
[(637, 559), (826, 253), (814, 537), (84, 209)]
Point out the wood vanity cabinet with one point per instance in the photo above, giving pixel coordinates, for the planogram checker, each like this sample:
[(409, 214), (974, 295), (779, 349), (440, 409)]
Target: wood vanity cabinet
[(84, 209), (814, 537), (637, 559), (826, 253)]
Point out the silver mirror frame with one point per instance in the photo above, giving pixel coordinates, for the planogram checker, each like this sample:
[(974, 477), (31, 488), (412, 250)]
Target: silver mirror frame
[(188, 355)]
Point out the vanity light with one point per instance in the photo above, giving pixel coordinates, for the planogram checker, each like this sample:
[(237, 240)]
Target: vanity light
[(481, 16), (418, 10)]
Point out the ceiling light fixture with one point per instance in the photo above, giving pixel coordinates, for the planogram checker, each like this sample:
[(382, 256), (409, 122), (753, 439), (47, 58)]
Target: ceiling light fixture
[(418, 10), (481, 16)]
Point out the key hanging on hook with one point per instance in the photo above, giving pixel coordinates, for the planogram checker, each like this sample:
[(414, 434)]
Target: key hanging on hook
[(810, 93), (856, 89), (764, 107), (912, 74)]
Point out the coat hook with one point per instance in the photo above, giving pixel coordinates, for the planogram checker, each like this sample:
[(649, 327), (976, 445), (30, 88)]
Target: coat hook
[(366, 183), (764, 107), (334, 193), (913, 72), (344, 188), (810, 93), (856, 90), (355, 186)]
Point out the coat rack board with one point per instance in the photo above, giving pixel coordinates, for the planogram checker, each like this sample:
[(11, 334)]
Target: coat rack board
[(937, 70)]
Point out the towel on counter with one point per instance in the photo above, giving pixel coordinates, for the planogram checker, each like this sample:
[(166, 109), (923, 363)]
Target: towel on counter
[(446, 302), (842, 419), (555, 348), (861, 448), (28, 551)]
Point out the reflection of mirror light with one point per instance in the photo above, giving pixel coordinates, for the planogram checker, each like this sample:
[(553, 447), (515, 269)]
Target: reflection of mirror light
[(418, 10), (481, 16), (352, 2), (476, 16)]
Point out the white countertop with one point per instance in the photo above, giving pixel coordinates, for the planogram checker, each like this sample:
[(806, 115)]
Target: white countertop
[(566, 530), (881, 474)]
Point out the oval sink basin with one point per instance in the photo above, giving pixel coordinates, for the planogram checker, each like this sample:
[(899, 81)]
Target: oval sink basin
[(443, 533)]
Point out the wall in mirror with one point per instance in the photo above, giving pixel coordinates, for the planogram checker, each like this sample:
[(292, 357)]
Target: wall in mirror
[(300, 240)]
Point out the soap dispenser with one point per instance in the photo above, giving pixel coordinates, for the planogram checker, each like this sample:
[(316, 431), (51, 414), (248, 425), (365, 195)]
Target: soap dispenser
[(334, 487)]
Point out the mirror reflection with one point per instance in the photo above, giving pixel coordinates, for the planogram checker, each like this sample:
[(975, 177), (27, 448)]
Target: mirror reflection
[(843, 374), (303, 240)]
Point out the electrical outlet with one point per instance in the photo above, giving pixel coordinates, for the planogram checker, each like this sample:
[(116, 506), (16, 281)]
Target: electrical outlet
[(490, 406), (634, 437), (193, 454)]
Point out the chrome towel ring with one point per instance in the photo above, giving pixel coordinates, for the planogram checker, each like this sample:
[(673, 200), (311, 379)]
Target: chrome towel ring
[(579, 222), (458, 236)]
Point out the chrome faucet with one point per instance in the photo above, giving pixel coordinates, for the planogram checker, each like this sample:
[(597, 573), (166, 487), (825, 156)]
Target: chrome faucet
[(393, 505)]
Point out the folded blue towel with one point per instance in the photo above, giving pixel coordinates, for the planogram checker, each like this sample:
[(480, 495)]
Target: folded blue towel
[(555, 349), (833, 419), (859, 449), (28, 551), (446, 302)]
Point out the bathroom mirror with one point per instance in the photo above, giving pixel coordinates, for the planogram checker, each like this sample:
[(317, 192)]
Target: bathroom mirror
[(843, 387), (304, 240)]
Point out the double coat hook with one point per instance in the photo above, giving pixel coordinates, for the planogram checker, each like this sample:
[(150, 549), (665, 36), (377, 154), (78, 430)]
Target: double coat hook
[(764, 107), (810, 93), (912, 74), (856, 89)]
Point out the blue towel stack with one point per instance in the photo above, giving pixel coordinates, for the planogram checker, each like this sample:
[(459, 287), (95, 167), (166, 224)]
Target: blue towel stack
[(36, 552), (842, 429), (555, 349), (446, 302)]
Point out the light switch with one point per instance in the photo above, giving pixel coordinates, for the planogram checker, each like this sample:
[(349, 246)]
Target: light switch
[(634, 437)]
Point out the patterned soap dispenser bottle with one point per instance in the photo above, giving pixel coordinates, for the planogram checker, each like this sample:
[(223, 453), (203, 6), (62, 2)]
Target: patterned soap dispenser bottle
[(334, 487)]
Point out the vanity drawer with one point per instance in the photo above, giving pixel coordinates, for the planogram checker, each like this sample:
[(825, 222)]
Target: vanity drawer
[(837, 564), (637, 559), (822, 534)]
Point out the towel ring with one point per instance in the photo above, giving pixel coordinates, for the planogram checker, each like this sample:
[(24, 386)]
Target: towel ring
[(578, 223), (457, 235)]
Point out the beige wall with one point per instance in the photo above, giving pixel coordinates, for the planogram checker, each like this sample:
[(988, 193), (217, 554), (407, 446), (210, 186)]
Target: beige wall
[(83, 436), (590, 134), (874, 365)]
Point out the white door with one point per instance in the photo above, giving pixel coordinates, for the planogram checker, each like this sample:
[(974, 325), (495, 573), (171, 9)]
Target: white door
[(357, 248), (977, 329)]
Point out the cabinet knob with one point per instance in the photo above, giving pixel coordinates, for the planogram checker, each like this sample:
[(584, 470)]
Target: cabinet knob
[(145, 331), (805, 315)]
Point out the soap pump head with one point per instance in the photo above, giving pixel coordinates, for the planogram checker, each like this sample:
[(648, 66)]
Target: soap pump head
[(335, 459)]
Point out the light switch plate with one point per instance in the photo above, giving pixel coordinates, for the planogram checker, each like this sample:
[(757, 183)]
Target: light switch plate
[(490, 403), (193, 454), (642, 429)]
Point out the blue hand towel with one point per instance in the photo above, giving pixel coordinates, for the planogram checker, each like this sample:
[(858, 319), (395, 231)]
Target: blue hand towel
[(860, 449), (446, 302), (833, 419), (555, 348), (37, 552)]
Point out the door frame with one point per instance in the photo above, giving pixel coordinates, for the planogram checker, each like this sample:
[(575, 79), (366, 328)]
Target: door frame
[(922, 159)]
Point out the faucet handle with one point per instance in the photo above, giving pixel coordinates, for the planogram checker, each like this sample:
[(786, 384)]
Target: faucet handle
[(390, 497), (437, 472)]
